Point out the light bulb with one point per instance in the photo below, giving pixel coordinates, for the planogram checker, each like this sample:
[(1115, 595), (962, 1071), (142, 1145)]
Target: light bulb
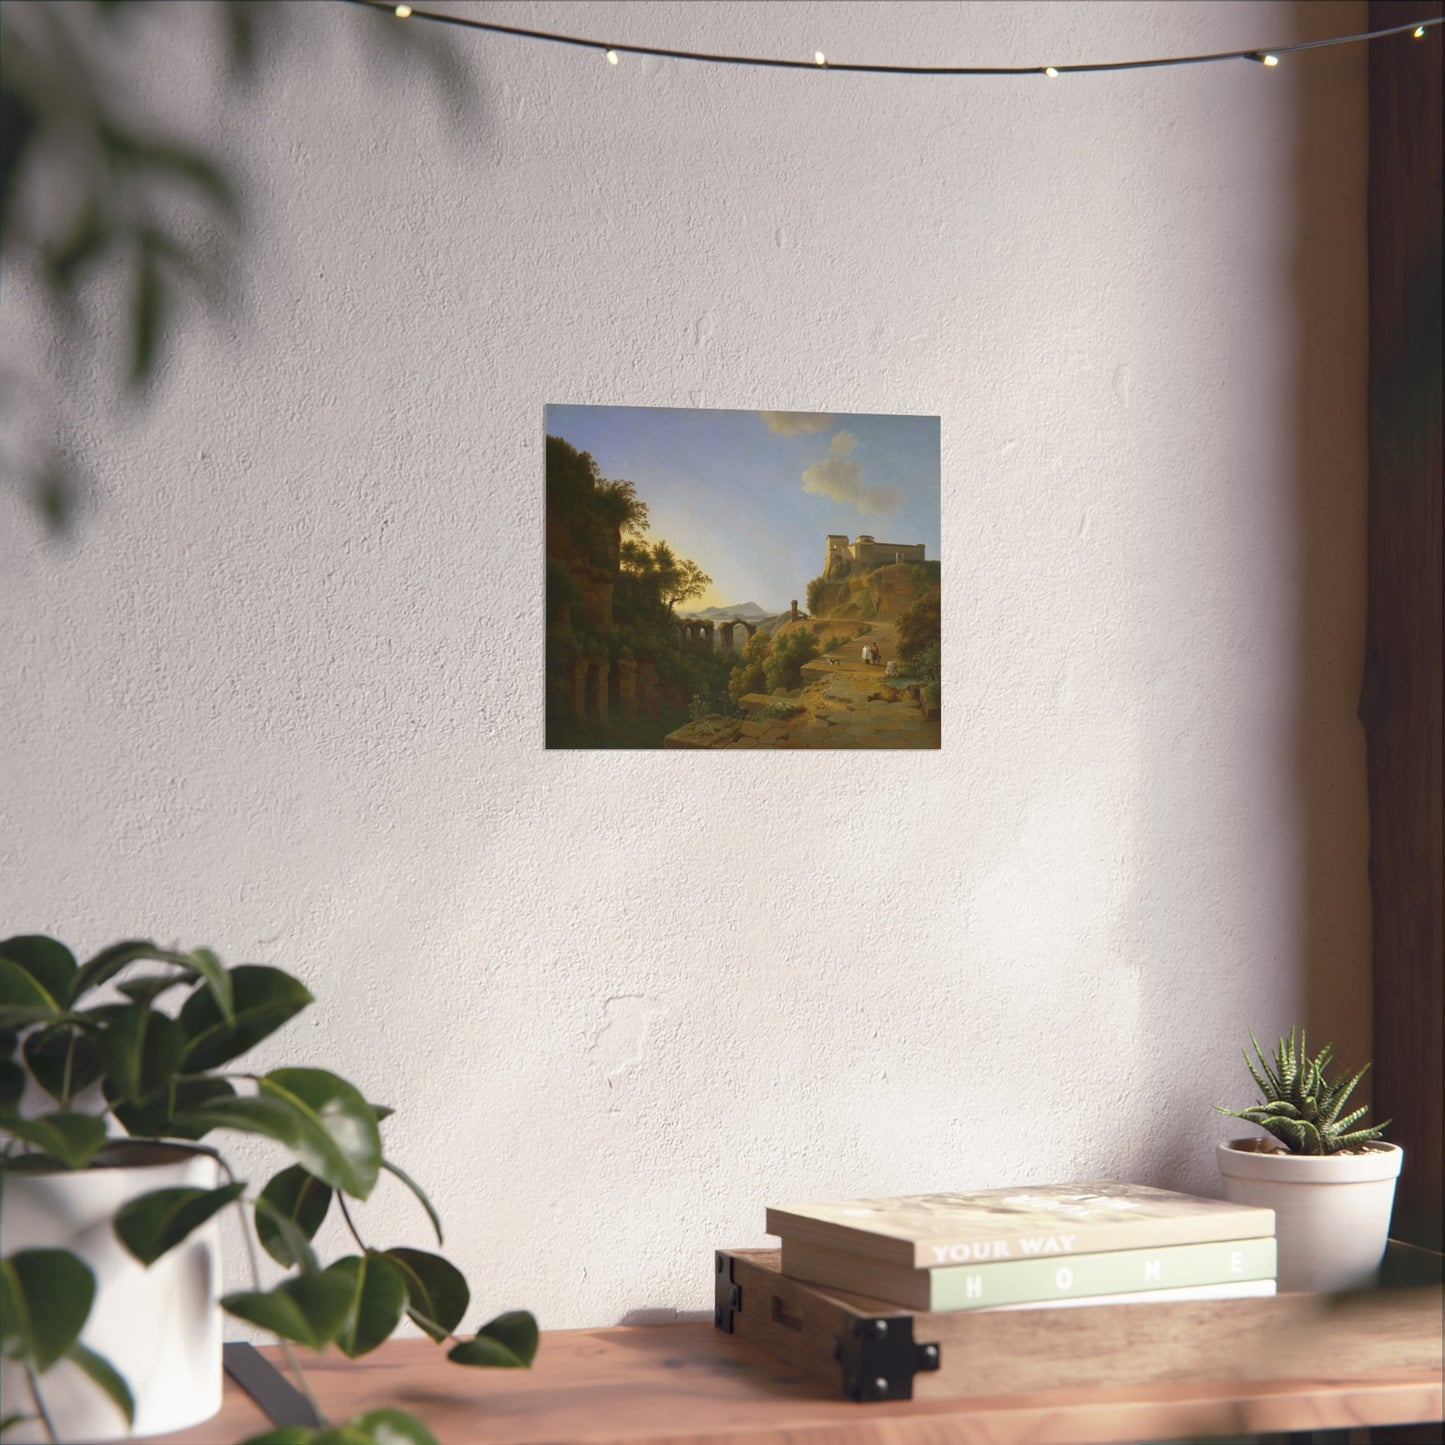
[(1271, 60), (402, 11), (612, 57), (1419, 32), (1051, 72), (819, 58)]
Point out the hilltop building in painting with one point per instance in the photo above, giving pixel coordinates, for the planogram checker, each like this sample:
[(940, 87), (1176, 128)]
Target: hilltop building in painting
[(866, 554)]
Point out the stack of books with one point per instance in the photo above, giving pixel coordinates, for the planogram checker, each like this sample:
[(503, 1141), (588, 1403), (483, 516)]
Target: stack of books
[(1031, 1247)]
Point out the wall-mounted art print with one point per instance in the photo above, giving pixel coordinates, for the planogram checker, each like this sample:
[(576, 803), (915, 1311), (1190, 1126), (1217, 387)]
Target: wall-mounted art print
[(742, 580)]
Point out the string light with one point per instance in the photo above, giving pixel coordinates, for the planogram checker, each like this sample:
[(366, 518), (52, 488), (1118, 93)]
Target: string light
[(1261, 56), (612, 57)]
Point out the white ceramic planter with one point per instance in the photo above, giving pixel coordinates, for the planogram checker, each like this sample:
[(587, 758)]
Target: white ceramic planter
[(160, 1327), (1331, 1212)]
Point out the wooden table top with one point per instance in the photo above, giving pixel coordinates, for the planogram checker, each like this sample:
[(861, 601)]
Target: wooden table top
[(692, 1384)]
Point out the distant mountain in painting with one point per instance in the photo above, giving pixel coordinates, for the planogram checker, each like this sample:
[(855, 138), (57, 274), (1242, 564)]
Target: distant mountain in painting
[(738, 609)]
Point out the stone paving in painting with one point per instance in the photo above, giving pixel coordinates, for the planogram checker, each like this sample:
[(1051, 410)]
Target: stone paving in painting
[(845, 702)]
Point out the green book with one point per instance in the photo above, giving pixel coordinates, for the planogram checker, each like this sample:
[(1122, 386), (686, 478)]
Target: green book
[(1034, 1281)]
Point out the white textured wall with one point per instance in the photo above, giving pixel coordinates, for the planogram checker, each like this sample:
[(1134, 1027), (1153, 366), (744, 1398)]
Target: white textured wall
[(282, 695)]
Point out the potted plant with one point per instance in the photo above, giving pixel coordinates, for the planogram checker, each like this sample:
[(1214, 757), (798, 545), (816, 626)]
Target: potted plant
[(109, 1198), (1331, 1186)]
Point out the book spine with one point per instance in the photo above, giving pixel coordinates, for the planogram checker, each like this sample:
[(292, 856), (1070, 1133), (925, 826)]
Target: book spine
[(1248, 1289), (1117, 1272)]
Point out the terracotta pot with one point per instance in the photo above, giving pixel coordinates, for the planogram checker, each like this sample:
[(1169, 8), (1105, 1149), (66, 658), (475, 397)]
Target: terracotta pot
[(160, 1327), (1331, 1211)]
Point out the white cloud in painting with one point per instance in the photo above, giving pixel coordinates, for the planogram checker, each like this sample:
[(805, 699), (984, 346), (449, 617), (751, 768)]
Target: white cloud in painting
[(840, 479), (795, 423), (842, 444)]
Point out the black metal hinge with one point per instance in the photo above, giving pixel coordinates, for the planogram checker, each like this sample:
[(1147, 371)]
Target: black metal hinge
[(727, 1296), (880, 1358)]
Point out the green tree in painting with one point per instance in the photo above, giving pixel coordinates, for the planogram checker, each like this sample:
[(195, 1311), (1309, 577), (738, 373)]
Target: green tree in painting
[(784, 667), (920, 625), (597, 537), (751, 674), (674, 579)]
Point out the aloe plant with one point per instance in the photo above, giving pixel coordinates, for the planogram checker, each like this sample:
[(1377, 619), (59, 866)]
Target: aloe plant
[(1301, 1107), (168, 1075)]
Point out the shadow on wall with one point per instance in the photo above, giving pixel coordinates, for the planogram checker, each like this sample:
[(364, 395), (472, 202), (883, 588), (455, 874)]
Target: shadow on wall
[(1324, 905), (1331, 305), (162, 220)]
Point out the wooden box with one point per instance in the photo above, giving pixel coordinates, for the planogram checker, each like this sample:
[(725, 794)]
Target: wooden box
[(870, 1350)]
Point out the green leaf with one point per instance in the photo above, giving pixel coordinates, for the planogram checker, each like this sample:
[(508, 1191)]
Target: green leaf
[(264, 998), (392, 1427), (296, 1196), (14, 1323), (63, 1060), (96, 1019), (310, 1310), (295, 1243), (45, 1299), (50, 964), (1361, 1136), (186, 1094), (104, 1374), (331, 1143), (148, 989), (141, 1051), (10, 1421), (517, 1330), (163, 1116), (1338, 1126), (269, 1117), (210, 968), (341, 1435), (109, 962), (23, 999), (437, 1293), (340, 1143), (151, 1224), (142, 1121), (12, 1086), (416, 1189), (382, 1111), (378, 1296), (73, 1139), (507, 1342)]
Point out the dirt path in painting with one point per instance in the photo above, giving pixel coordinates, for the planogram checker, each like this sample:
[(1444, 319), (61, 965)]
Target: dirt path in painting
[(845, 702)]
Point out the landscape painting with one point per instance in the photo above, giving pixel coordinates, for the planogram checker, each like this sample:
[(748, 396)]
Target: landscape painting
[(742, 580)]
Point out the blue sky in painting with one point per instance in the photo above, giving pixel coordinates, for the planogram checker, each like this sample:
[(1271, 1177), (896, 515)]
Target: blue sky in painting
[(751, 495)]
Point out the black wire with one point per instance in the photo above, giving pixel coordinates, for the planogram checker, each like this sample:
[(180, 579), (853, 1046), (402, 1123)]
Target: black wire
[(1256, 54)]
